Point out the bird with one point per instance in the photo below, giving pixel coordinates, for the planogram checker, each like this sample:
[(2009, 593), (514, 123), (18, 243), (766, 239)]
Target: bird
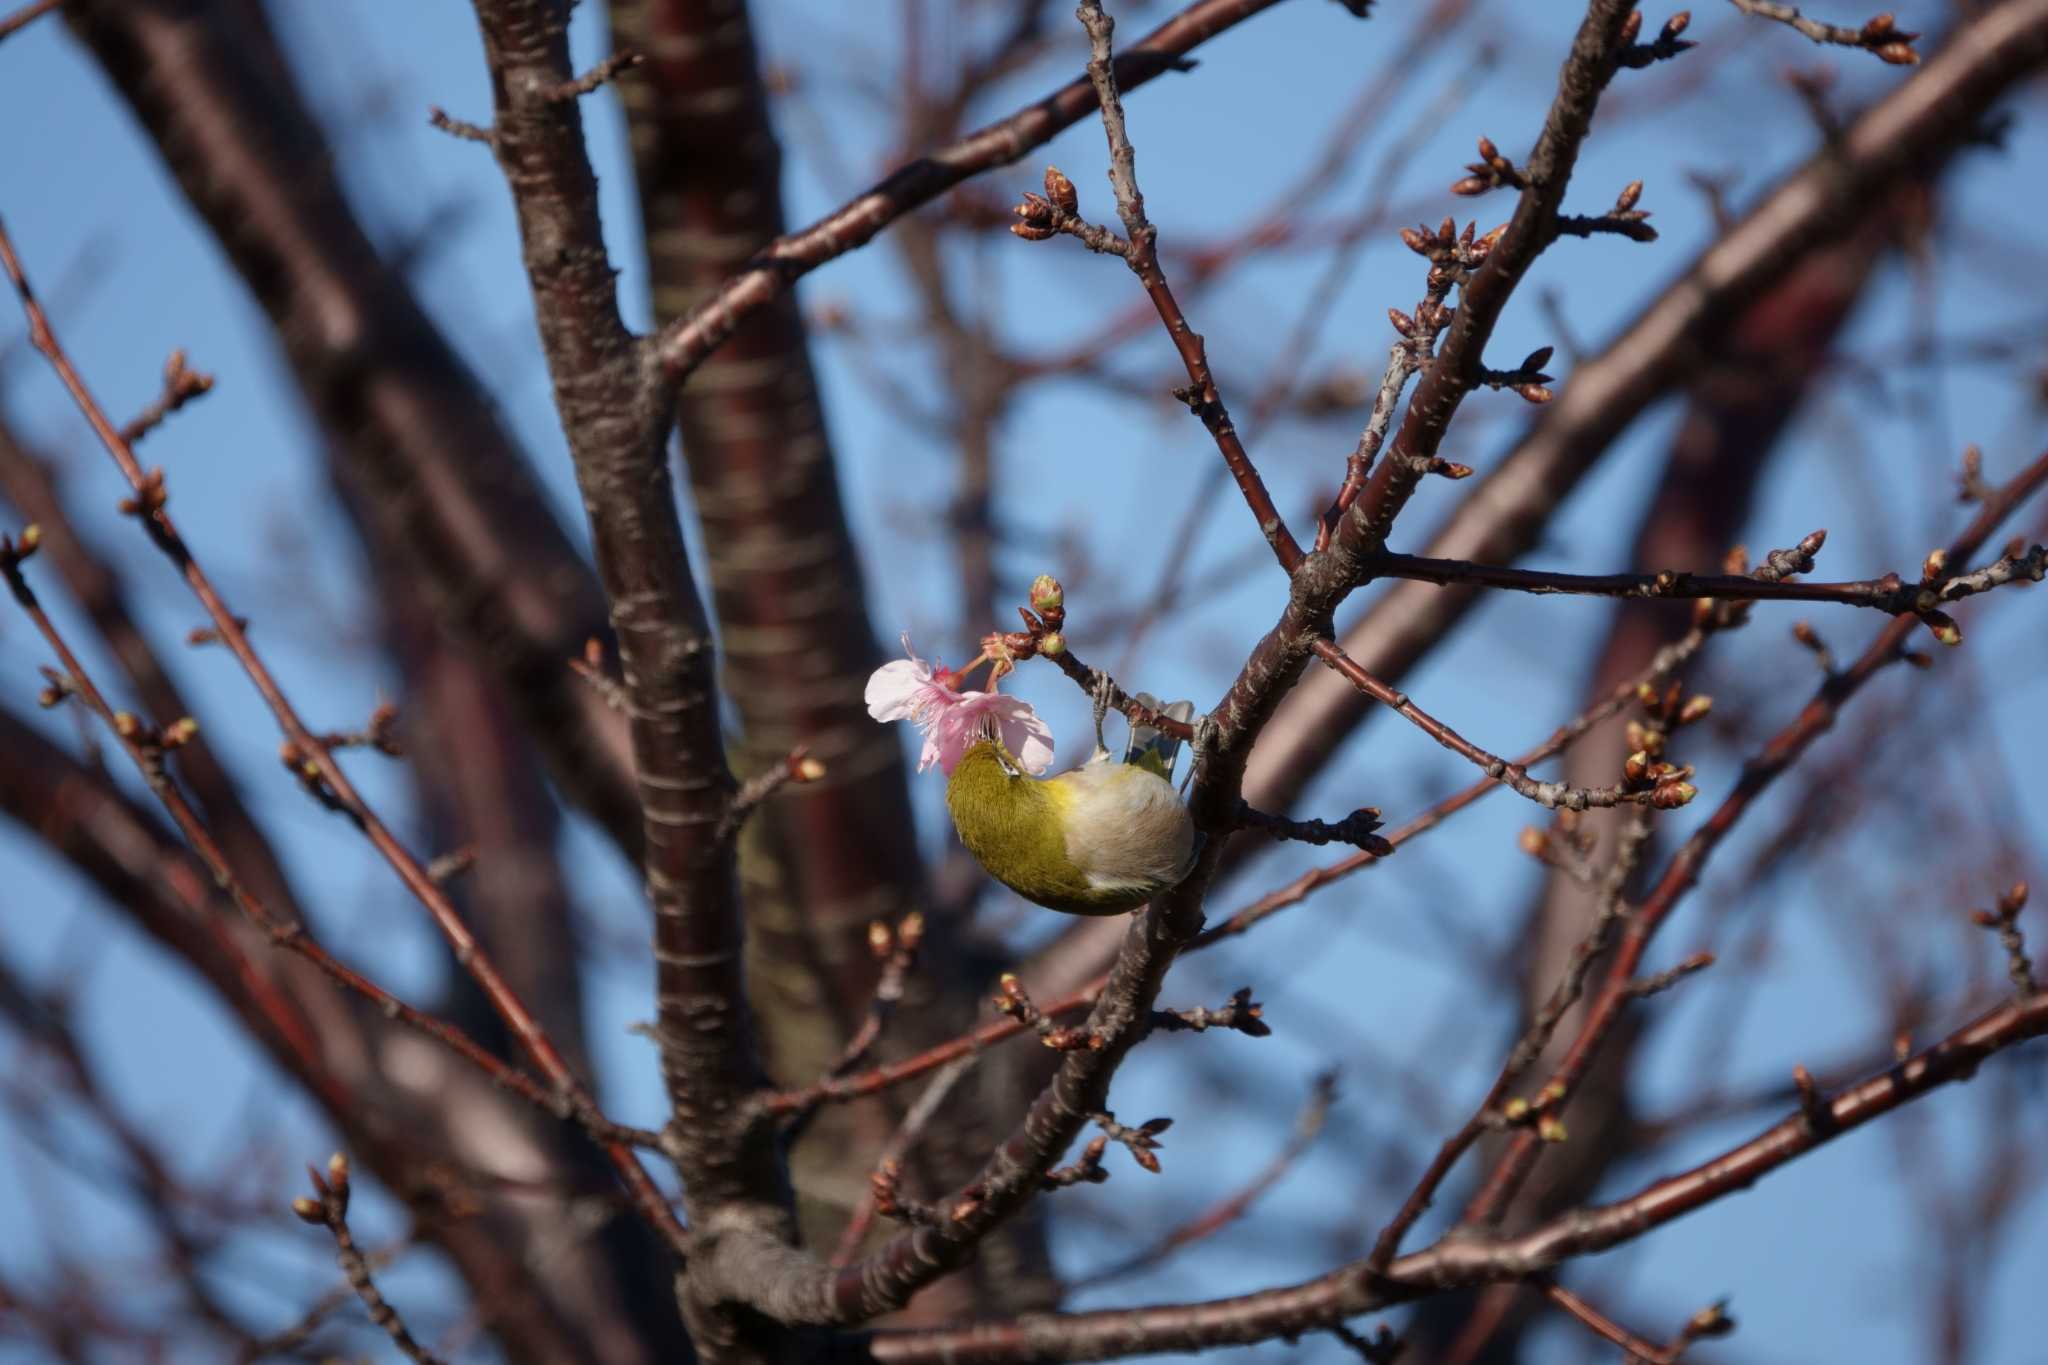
[(1099, 839)]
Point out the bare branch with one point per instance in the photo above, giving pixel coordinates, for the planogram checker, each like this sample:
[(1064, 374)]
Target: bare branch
[(684, 343), (1880, 35), (328, 1208)]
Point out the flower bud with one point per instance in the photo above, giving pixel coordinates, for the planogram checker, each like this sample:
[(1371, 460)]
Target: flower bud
[(1060, 190), (1672, 795), (1046, 594), (1711, 1321)]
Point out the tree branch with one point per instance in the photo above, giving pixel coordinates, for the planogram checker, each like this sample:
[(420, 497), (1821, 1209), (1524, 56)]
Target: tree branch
[(683, 344), (1905, 137), (439, 485), (616, 416)]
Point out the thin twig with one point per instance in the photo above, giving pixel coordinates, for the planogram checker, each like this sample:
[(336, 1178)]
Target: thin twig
[(1308, 1125), (148, 507), (1890, 594), (1881, 35), (590, 81), (915, 1121), (25, 16), (181, 385), (328, 1208), (1666, 795), (684, 343), (147, 748), (1638, 1348), (1512, 1167), (1142, 257)]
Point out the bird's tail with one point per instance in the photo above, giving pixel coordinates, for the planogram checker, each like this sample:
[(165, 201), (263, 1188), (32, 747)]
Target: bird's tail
[(1149, 748)]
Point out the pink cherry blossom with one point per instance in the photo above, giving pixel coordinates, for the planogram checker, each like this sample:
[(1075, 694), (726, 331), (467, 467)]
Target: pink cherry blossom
[(951, 720)]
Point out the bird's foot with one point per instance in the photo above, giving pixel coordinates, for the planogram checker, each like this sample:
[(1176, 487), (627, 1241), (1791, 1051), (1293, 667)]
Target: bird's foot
[(1102, 689), (1207, 734)]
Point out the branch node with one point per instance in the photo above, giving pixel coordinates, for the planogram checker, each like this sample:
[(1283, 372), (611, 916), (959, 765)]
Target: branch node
[(1012, 999), (1243, 1015)]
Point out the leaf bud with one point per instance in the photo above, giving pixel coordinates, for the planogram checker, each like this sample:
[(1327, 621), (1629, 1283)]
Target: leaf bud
[(1943, 626)]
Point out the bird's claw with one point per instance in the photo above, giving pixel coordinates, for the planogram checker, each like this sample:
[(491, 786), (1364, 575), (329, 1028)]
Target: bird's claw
[(1101, 690), (1207, 733)]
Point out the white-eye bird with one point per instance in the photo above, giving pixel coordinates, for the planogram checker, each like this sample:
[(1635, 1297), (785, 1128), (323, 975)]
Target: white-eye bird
[(1099, 839)]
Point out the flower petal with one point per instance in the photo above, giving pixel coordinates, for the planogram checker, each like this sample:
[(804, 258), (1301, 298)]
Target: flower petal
[(894, 688), (1028, 738)]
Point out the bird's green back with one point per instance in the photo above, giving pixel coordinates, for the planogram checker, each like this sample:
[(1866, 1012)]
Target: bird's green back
[(1013, 827)]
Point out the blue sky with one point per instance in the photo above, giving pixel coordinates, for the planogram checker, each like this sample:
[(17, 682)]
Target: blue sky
[(1095, 483)]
